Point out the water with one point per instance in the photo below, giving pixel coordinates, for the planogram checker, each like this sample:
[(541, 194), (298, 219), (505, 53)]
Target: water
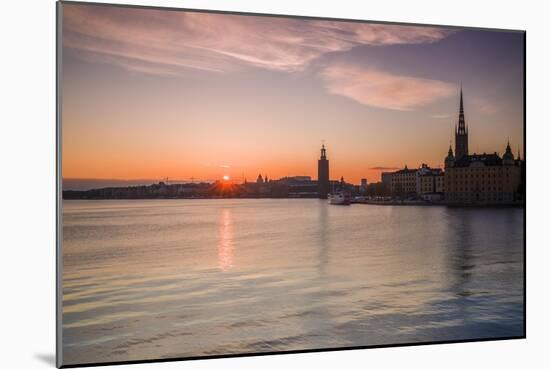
[(177, 278)]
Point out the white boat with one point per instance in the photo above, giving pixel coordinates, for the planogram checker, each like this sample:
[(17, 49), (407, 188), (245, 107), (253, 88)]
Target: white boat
[(339, 198)]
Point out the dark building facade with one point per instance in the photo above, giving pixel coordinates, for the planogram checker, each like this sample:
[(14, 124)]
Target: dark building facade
[(403, 182), (301, 186), (323, 182), (461, 132), (429, 182), (481, 178), (386, 183)]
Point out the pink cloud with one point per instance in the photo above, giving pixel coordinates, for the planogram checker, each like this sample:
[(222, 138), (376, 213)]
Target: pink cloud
[(487, 107), (155, 40), (441, 116), (383, 90)]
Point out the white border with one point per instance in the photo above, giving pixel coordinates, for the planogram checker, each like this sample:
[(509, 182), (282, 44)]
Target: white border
[(27, 183)]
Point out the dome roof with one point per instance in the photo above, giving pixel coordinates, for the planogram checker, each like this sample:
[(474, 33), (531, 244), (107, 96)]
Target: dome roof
[(450, 155), (508, 155)]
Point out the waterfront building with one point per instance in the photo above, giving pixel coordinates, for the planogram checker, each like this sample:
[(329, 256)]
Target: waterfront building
[(323, 181), (403, 182), (301, 186), (485, 178), (429, 182), (264, 189), (377, 189), (440, 182), (386, 182), (480, 178), (298, 178)]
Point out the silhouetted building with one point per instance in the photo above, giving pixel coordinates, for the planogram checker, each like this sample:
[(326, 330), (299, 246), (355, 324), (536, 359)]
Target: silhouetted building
[(450, 159), (485, 178), (298, 178), (386, 182), (481, 179), (323, 182), (403, 182), (461, 132), (301, 186), (429, 183), (440, 183)]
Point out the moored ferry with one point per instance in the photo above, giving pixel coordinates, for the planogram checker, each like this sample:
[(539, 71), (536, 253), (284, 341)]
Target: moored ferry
[(339, 198)]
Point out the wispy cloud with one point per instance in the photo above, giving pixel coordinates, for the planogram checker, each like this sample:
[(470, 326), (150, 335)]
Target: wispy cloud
[(168, 42), (380, 89), (441, 116), (488, 108), (483, 103), (384, 168)]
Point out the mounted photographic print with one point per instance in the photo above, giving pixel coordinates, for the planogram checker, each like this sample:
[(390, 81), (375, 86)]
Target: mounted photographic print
[(238, 184)]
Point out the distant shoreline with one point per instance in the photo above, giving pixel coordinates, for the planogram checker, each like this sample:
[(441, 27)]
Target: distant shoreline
[(372, 203)]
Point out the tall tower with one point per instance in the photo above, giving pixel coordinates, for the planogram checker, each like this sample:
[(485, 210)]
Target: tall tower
[(323, 175), (461, 133)]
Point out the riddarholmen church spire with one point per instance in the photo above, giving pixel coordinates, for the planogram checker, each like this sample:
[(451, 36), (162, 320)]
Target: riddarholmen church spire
[(461, 132)]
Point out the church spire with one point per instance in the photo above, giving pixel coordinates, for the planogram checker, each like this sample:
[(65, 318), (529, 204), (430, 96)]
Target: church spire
[(461, 101), (461, 131)]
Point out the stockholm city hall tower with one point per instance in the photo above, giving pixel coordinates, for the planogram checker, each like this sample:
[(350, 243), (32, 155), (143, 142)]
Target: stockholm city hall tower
[(323, 175)]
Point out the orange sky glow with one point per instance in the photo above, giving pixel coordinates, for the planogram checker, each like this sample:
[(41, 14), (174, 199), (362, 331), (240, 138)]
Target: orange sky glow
[(152, 94)]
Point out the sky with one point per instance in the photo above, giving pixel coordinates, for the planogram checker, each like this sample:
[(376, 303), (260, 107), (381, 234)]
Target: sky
[(153, 94)]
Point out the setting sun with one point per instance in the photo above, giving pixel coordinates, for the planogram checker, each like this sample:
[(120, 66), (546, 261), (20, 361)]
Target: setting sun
[(378, 196)]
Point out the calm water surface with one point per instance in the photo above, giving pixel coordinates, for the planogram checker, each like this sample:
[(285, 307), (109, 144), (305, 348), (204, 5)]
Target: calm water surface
[(176, 278)]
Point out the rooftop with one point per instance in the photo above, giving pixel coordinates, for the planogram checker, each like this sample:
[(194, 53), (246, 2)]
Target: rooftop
[(486, 159)]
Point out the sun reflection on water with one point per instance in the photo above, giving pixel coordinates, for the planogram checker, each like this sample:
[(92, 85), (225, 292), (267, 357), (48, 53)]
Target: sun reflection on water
[(225, 244)]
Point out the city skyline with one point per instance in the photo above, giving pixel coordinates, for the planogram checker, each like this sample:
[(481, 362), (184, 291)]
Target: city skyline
[(238, 184), (176, 99)]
